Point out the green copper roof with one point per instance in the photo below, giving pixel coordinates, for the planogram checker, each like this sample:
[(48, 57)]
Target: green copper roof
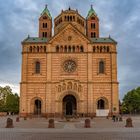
[(35, 40), (46, 11), (91, 12), (103, 40)]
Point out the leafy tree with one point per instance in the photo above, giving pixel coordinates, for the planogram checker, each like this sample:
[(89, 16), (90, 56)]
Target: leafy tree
[(131, 101), (9, 102)]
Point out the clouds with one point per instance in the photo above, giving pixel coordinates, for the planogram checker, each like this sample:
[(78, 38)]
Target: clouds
[(118, 18)]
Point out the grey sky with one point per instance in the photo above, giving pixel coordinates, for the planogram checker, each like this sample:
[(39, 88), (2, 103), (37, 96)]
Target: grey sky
[(118, 18)]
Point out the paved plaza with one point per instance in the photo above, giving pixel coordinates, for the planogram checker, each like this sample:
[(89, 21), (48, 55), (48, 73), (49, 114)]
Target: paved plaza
[(101, 129)]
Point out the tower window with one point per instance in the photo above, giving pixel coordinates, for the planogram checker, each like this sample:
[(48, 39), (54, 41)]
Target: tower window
[(37, 67), (81, 49), (92, 35), (57, 48), (44, 34), (101, 67), (45, 25), (93, 25), (92, 18)]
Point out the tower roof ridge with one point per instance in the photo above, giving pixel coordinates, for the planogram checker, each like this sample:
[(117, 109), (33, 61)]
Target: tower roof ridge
[(91, 11), (46, 11)]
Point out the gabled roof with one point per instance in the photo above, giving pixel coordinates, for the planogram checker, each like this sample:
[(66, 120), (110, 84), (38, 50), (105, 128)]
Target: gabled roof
[(103, 40), (46, 11), (70, 24), (91, 12), (35, 40)]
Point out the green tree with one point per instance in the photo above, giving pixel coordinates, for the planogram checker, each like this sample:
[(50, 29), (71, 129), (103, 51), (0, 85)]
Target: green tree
[(9, 102), (131, 101)]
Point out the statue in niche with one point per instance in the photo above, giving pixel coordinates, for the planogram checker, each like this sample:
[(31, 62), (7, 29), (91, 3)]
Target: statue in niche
[(75, 86), (64, 86), (79, 88), (69, 86), (59, 88)]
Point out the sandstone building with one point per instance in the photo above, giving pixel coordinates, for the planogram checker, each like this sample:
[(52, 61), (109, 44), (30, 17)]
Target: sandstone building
[(71, 72)]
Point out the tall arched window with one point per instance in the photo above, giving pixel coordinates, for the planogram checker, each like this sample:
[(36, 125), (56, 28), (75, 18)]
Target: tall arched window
[(101, 67), (37, 67), (81, 49), (57, 48)]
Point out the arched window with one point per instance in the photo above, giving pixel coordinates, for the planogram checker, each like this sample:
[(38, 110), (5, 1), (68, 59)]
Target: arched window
[(101, 67), (107, 48), (81, 49), (57, 48), (69, 49), (65, 49), (44, 48), (73, 48), (94, 35), (46, 25), (93, 26), (37, 48), (37, 67), (70, 18), (93, 48), (30, 49)]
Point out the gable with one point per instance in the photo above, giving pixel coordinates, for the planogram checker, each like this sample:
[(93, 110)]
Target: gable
[(69, 35)]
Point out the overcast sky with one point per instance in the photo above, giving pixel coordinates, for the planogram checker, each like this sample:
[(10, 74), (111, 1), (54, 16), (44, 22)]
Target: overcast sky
[(118, 18)]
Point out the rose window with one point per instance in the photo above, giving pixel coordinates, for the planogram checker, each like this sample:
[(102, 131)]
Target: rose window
[(69, 66)]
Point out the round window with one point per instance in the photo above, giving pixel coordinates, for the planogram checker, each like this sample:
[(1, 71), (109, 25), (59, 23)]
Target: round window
[(69, 66)]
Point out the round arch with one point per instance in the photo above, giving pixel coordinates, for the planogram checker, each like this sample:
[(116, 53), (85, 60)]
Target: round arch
[(102, 103), (36, 105), (69, 93)]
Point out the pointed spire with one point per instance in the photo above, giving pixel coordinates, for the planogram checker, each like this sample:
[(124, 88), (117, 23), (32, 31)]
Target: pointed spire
[(91, 12), (46, 11)]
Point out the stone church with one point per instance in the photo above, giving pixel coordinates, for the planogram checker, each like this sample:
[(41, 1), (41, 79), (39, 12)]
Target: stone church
[(71, 72)]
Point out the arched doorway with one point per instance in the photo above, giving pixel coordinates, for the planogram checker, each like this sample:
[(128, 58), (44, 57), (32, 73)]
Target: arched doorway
[(102, 107), (37, 107), (69, 105), (101, 104)]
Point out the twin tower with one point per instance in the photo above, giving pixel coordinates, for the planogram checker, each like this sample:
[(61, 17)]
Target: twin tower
[(88, 26)]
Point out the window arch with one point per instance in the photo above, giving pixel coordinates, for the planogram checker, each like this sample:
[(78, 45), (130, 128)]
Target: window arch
[(37, 67), (69, 49), (101, 67), (81, 49), (108, 49), (57, 48), (30, 49), (73, 48)]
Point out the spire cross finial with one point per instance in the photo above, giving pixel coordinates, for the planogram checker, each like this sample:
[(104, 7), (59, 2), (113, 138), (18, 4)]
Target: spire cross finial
[(91, 6), (46, 5)]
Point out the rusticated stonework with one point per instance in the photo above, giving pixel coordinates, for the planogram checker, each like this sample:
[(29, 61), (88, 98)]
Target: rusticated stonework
[(70, 73)]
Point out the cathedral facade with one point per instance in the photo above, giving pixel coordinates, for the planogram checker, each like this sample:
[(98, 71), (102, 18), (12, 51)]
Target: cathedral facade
[(70, 72)]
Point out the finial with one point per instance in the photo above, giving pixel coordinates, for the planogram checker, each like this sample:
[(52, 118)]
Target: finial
[(91, 6), (109, 36), (69, 8), (46, 6), (76, 10), (28, 36)]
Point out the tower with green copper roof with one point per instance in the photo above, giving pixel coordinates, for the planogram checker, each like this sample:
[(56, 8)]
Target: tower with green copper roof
[(46, 11), (91, 12), (92, 24), (45, 24)]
